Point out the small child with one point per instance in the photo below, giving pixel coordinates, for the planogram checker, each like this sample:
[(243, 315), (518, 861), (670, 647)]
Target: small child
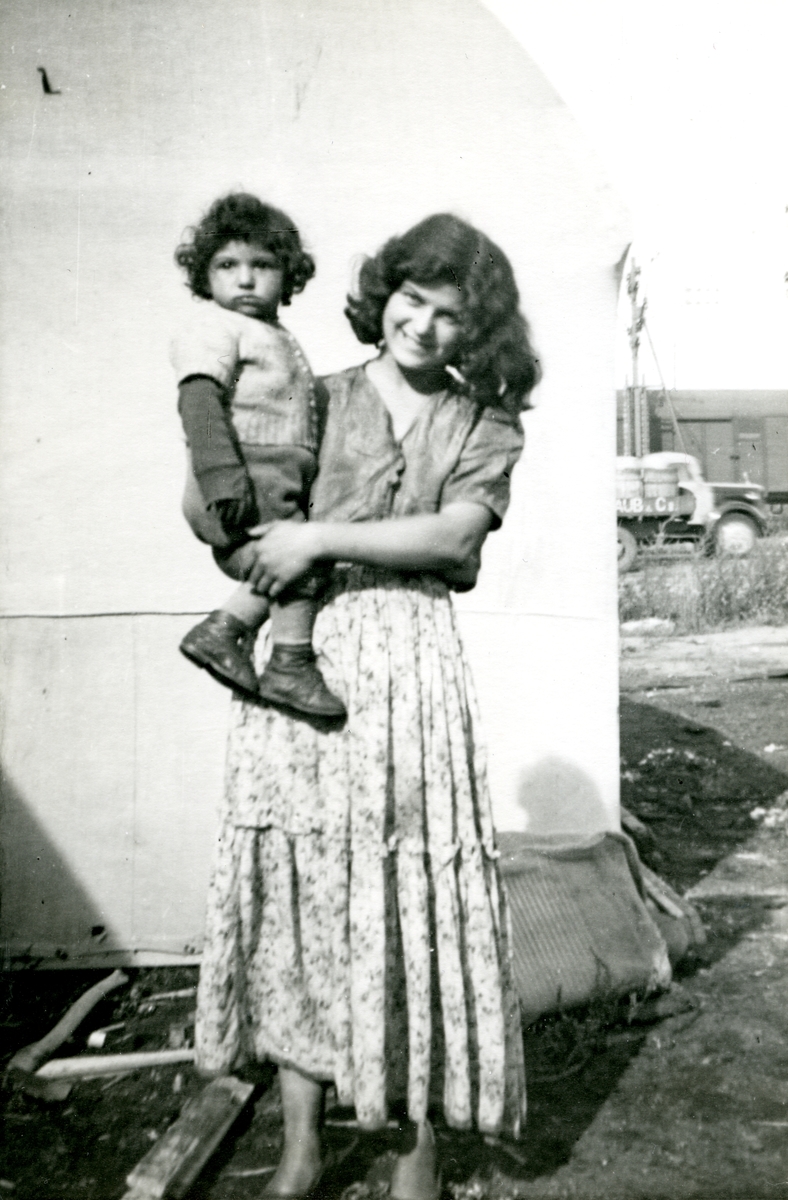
[(246, 397)]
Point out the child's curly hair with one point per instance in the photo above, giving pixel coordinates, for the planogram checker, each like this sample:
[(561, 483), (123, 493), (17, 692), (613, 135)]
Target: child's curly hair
[(240, 217), (495, 358)]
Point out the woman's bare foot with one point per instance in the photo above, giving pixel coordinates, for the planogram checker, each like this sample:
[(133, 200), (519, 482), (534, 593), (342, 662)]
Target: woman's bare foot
[(298, 1170), (301, 1162), (415, 1175)]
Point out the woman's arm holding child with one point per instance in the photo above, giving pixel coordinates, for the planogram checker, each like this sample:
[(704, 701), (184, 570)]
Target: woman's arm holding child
[(442, 542)]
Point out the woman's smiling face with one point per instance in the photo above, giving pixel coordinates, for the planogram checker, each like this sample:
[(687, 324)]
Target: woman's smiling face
[(422, 326)]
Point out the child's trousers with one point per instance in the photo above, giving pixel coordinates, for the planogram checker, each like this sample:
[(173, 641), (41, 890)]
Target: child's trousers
[(282, 477)]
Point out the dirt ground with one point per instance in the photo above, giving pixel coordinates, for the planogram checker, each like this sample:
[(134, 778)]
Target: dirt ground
[(622, 1105)]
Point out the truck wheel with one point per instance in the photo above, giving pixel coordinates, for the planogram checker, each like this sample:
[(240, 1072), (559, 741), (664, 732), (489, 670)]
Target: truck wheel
[(627, 549), (735, 535)]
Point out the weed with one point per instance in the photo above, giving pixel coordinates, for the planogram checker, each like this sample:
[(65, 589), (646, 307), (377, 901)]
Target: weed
[(703, 594), (562, 1043)]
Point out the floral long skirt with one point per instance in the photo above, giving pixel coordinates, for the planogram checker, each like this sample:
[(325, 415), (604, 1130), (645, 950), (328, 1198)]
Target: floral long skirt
[(357, 929)]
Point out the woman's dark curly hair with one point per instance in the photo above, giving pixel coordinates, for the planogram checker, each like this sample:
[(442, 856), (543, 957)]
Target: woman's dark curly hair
[(240, 217), (495, 357)]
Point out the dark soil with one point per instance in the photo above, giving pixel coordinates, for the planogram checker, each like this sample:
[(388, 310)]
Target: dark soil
[(694, 767), (689, 782)]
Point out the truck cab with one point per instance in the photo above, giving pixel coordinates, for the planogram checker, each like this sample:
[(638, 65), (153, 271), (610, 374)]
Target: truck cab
[(726, 518)]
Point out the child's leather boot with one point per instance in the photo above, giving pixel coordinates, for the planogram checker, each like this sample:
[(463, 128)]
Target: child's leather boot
[(292, 680), (223, 645)]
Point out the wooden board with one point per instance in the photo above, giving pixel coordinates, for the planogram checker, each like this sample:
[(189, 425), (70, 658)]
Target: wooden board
[(173, 1164)]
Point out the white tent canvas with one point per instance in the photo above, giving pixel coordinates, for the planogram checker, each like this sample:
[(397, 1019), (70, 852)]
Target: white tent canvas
[(358, 119)]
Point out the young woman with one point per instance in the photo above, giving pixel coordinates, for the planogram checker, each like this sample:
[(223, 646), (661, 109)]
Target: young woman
[(356, 924)]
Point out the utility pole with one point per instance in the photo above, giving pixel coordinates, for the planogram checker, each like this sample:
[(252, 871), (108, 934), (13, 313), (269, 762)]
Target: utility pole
[(636, 439)]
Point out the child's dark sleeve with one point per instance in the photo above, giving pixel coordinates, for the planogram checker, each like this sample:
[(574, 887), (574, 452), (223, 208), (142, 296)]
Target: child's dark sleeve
[(217, 459)]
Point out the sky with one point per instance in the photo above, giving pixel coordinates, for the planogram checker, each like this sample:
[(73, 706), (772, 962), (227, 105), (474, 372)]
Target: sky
[(686, 104)]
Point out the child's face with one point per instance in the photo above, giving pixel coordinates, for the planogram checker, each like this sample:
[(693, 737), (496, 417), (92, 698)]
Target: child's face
[(422, 326), (247, 279)]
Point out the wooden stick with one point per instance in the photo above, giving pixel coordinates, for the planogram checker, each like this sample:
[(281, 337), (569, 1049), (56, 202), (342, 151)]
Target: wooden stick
[(180, 994), (352, 1123), (171, 1166), (85, 1065), (663, 901), (32, 1056), (270, 1170), (634, 825), (670, 902)]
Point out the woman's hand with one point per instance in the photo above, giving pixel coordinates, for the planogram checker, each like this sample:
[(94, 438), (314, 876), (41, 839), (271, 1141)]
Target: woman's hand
[(284, 551), (463, 578)]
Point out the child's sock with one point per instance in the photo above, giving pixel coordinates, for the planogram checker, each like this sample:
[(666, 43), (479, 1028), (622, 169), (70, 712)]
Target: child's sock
[(291, 678), (224, 642), (291, 624), (248, 607)]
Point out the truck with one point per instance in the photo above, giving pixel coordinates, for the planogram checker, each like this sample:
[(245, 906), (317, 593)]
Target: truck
[(735, 434), (662, 498)]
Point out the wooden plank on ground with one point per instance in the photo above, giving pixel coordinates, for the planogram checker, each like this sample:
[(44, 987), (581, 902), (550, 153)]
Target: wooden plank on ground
[(85, 1066), (172, 1165)]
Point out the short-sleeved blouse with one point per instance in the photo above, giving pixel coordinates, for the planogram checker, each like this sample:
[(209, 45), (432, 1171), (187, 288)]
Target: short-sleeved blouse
[(452, 451)]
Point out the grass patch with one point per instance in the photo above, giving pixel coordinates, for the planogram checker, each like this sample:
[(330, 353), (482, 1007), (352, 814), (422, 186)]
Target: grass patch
[(702, 594)]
